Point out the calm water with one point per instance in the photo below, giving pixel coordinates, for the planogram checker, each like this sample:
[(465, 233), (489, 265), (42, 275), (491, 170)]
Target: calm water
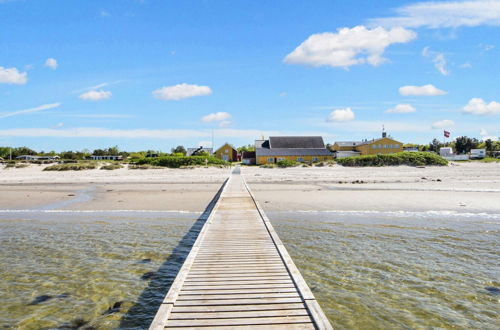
[(80, 265), (399, 270), (369, 271)]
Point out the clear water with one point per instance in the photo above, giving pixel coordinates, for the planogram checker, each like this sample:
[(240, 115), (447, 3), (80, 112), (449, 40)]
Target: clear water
[(388, 271), (85, 263), (368, 270)]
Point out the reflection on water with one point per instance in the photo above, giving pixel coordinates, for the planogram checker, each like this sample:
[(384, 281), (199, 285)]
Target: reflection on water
[(84, 269), (378, 272)]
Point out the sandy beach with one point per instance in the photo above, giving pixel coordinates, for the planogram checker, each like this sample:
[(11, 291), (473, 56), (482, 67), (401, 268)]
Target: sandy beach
[(461, 187)]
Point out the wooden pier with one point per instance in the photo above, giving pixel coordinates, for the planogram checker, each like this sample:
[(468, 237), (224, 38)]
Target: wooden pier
[(239, 274)]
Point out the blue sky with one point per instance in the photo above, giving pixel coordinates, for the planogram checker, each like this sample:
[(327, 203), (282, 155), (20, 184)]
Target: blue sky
[(154, 74)]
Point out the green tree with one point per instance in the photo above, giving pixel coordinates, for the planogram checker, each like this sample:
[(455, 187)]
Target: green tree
[(464, 144), (179, 150), (249, 147), (435, 145), (488, 145)]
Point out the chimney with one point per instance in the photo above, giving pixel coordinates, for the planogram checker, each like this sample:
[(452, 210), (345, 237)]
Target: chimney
[(384, 133)]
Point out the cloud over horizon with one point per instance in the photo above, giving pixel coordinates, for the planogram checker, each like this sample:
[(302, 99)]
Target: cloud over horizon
[(348, 46), (446, 123)]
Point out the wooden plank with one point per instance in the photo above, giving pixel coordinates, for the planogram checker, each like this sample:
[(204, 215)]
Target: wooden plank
[(237, 308), (297, 326), (239, 314), (215, 302), (239, 321), (210, 296), (238, 291)]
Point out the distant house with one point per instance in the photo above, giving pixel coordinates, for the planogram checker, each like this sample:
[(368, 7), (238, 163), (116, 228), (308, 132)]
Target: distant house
[(195, 151), (93, 157), (293, 148), (248, 157), (27, 157), (384, 145), (227, 152), (33, 158)]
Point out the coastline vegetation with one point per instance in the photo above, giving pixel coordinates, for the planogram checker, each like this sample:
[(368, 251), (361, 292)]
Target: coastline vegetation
[(72, 167), (181, 161), (111, 167), (402, 158)]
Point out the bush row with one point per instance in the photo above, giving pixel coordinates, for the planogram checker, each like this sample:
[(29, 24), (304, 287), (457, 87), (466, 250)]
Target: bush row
[(176, 162), (402, 158), (71, 167)]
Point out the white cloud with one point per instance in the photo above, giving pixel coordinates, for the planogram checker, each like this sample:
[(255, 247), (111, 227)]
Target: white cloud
[(12, 76), (181, 91), (438, 59), (25, 111), (486, 136), (216, 116), (58, 125), (425, 90), (478, 106), (483, 132), (51, 63), (205, 144), (402, 108), (466, 65), (347, 47), (443, 123), (444, 14), (345, 114), (95, 95)]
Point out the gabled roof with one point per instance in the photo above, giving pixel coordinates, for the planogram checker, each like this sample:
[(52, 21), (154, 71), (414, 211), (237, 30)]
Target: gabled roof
[(292, 152), (296, 142), (225, 144)]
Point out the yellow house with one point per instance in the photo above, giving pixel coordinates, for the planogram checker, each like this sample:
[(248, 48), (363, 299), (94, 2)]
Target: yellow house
[(227, 153), (384, 145), (294, 148)]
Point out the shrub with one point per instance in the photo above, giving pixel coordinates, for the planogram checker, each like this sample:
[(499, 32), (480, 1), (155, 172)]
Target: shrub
[(111, 167), (142, 167), (286, 163), (178, 161), (402, 158), (71, 167)]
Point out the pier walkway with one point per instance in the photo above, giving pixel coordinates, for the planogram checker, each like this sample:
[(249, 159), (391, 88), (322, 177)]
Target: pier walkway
[(238, 274)]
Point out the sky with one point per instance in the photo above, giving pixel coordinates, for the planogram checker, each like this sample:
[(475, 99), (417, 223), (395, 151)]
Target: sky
[(155, 74)]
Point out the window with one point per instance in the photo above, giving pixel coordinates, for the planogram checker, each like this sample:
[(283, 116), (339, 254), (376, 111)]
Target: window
[(270, 160), (300, 159), (396, 146), (385, 146), (280, 159), (374, 146), (226, 151), (315, 159)]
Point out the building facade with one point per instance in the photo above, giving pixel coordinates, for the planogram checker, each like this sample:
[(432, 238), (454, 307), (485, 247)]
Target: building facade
[(308, 149), (227, 153), (384, 145)]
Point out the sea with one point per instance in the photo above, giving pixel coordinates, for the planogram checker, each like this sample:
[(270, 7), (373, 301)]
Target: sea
[(368, 270)]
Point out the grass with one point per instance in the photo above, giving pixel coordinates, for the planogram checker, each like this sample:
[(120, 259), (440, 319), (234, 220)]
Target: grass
[(111, 167), (142, 167), (490, 160), (401, 158), (71, 167)]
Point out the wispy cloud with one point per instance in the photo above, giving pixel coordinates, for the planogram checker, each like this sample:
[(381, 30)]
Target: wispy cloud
[(96, 95), (438, 59), (445, 123), (95, 132), (93, 88), (31, 110), (100, 116), (443, 14), (51, 63), (401, 108)]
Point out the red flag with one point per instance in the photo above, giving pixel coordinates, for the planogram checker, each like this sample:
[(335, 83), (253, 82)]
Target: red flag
[(447, 134)]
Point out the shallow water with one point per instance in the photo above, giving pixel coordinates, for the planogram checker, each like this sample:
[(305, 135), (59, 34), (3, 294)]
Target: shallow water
[(79, 264), (398, 271), (371, 270)]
